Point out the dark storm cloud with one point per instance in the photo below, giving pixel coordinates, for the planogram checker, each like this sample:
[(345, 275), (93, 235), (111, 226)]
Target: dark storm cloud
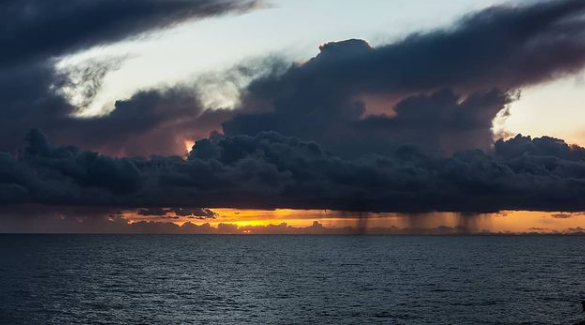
[(500, 47), (28, 100), (34, 34), (35, 30), (441, 122), (152, 121), (505, 47), (270, 171)]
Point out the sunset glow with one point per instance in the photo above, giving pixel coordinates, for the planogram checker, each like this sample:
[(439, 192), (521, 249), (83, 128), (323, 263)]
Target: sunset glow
[(510, 222), (189, 145)]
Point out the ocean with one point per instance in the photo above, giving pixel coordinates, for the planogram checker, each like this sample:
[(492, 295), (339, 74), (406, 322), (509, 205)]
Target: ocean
[(157, 279)]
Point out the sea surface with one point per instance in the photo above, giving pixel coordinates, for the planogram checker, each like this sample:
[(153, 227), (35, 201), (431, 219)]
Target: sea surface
[(151, 279)]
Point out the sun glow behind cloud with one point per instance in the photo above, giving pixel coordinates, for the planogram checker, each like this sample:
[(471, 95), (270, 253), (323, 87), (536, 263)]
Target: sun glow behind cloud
[(189, 145)]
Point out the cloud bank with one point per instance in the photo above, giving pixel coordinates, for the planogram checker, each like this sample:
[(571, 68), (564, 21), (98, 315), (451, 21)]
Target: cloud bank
[(304, 136), (271, 171)]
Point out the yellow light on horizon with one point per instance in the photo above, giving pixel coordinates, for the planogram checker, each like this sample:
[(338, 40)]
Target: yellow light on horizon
[(503, 222)]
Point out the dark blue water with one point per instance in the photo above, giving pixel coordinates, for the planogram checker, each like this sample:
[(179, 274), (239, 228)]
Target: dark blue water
[(290, 280)]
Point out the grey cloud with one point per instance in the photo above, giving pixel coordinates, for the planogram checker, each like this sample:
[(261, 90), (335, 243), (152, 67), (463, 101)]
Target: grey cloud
[(35, 30), (150, 122), (195, 213), (439, 123), (502, 47), (35, 34), (270, 171), (498, 47)]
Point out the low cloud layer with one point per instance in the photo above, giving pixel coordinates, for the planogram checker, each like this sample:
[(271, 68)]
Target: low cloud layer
[(58, 224), (270, 171)]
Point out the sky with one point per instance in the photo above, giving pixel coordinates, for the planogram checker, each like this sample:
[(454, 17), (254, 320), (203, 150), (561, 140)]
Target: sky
[(330, 116)]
